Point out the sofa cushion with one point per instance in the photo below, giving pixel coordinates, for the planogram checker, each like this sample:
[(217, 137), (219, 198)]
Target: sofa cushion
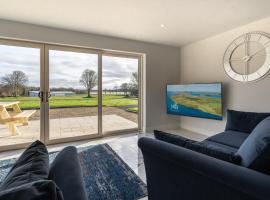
[(181, 141), (214, 151), (230, 138), (171, 138), (37, 190), (205, 148), (66, 172), (32, 165), (224, 147), (255, 151), (243, 121)]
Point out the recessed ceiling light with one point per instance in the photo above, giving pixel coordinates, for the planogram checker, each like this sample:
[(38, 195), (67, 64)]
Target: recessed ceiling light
[(162, 25)]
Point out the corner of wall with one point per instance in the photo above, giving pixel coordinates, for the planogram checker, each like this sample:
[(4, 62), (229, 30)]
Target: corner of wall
[(163, 127)]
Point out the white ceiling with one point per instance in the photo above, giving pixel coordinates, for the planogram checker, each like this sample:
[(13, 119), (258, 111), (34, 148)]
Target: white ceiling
[(185, 21)]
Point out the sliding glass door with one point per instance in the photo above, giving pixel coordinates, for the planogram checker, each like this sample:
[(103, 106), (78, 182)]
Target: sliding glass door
[(58, 93), (72, 93), (120, 92), (20, 86)]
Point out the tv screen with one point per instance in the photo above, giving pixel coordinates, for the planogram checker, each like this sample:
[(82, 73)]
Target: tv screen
[(195, 100)]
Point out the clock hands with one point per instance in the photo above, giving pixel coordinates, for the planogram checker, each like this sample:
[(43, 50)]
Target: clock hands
[(248, 57), (236, 59), (244, 59), (267, 44), (246, 44)]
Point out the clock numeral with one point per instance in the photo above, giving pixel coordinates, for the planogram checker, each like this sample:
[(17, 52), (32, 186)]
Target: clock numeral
[(227, 68), (227, 57), (247, 38), (266, 44), (259, 38), (245, 77)]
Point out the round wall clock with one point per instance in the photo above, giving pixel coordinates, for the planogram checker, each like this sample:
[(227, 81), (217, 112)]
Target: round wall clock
[(247, 58)]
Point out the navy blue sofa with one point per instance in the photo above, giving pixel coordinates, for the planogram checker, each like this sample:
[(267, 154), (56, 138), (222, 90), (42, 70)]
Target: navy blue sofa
[(176, 172), (33, 178)]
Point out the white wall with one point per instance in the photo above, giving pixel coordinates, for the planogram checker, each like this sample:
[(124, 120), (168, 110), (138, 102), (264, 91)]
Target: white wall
[(162, 62), (202, 62)]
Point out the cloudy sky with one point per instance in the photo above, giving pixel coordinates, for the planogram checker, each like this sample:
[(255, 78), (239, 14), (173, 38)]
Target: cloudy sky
[(65, 67), (215, 87)]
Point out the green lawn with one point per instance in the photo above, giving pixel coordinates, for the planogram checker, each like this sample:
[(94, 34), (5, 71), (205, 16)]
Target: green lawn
[(133, 110), (73, 101)]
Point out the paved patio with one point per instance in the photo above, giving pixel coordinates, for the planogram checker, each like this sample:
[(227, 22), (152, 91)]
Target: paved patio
[(66, 127)]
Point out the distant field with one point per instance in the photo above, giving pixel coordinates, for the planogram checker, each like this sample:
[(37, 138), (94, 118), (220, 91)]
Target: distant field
[(73, 101), (203, 103)]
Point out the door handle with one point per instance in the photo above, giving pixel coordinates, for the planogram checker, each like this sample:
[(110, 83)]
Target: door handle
[(48, 95), (41, 95)]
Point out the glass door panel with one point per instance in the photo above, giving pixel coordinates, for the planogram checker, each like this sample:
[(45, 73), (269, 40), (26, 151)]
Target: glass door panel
[(120, 91), (19, 89), (73, 87)]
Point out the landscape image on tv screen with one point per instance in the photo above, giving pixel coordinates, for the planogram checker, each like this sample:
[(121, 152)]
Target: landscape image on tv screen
[(195, 100)]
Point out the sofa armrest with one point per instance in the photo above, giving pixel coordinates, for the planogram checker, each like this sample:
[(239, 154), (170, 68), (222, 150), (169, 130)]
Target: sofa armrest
[(66, 172), (173, 172)]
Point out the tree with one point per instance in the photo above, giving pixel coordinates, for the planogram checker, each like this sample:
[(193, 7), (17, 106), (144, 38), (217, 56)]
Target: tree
[(133, 87), (88, 80), (125, 87), (115, 89), (135, 79), (16, 81)]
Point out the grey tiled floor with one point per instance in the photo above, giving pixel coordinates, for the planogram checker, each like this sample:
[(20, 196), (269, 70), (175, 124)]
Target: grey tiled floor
[(124, 145)]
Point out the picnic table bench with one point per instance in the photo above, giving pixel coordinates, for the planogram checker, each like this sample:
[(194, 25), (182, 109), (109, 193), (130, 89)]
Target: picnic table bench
[(12, 119)]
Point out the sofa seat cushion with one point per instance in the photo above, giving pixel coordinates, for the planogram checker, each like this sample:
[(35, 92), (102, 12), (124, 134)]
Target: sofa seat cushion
[(243, 121), (37, 190), (255, 151), (32, 165), (230, 138), (66, 172), (214, 151), (222, 147), (207, 148)]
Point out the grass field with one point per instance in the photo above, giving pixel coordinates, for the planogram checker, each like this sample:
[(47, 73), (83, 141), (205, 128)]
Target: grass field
[(133, 110), (73, 101)]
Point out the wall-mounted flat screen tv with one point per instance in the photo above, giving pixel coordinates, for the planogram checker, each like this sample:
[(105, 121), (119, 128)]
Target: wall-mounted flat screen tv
[(195, 100)]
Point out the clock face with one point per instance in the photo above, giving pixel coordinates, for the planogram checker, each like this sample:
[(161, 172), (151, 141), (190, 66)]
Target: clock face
[(247, 58)]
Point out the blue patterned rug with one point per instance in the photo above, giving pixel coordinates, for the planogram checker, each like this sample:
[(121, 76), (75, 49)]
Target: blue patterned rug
[(106, 175)]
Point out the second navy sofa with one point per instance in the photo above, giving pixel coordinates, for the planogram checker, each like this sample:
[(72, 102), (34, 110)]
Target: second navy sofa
[(234, 164)]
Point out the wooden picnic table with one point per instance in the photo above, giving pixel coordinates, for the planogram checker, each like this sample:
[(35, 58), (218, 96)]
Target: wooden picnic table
[(12, 119)]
